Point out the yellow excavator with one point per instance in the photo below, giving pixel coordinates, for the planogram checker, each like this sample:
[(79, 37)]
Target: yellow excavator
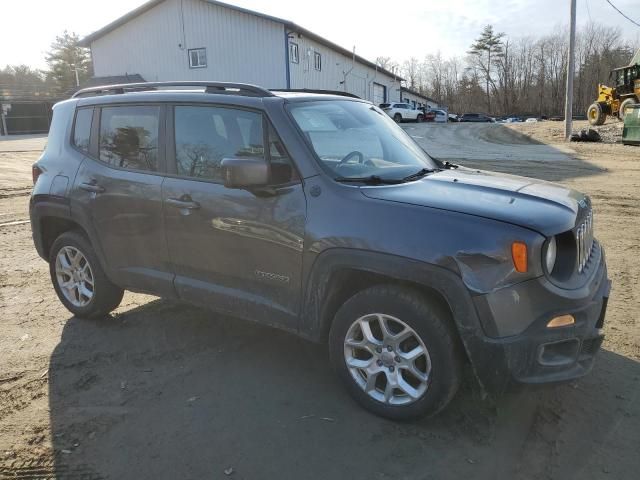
[(614, 100)]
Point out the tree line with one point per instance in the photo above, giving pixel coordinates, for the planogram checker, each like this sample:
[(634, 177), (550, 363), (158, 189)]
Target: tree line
[(67, 62), (500, 75)]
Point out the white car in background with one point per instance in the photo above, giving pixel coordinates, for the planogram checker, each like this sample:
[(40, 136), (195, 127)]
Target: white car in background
[(401, 112), (441, 116), (531, 120)]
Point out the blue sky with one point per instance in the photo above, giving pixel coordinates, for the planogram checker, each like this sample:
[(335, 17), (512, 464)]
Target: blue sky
[(376, 28)]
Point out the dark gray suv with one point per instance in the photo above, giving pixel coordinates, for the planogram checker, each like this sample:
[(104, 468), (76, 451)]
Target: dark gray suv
[(317, 214)]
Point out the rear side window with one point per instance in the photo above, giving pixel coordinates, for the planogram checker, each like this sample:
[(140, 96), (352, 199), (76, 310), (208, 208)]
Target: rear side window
[(82, 129), (206, 135), (129, 137)]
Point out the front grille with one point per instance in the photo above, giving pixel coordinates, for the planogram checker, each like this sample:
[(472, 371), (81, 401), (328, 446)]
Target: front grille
[(584, 240)]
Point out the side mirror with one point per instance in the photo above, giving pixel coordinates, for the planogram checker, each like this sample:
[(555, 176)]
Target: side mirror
[(245, 172)]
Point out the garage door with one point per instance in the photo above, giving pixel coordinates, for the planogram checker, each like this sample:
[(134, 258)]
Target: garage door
[(379, 94)]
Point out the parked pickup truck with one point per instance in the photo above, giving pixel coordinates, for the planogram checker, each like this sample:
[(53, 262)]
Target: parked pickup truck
[(401, 112)]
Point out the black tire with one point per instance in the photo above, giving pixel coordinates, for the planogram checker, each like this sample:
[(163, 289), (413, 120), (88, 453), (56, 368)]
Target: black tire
[(627, 102), (397, 118), (420, 118), (433, 327), (596, 114), (106, 296)]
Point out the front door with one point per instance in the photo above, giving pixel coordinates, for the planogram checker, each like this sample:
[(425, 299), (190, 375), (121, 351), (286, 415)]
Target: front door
[(118, 190), (237, 251)]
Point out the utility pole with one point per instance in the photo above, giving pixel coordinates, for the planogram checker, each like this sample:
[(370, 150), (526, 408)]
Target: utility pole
[(568, 105)]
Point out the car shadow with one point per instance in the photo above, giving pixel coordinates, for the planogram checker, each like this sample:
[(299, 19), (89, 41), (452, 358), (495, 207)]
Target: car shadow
[(169, 391)]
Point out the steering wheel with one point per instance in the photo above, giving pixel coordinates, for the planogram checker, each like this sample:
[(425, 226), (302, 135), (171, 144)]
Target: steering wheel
[(350, 155)]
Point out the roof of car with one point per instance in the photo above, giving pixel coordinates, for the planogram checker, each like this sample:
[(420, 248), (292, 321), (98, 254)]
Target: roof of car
[(190, 91), (194, 96)]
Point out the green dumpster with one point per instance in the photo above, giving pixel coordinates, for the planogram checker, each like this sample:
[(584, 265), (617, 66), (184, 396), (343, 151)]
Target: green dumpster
[(631, 131)]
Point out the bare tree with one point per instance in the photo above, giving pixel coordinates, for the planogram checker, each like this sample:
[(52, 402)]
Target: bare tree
[(520, 76)]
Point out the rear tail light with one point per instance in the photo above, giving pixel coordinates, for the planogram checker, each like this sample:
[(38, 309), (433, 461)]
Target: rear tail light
[(35, 173)]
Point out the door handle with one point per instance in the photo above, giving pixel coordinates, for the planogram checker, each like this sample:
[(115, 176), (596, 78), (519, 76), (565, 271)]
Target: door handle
[(179, 203), (92, 187)]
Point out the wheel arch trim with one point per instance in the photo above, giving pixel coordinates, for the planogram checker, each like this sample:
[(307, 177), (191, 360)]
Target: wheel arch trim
[(487, 359)]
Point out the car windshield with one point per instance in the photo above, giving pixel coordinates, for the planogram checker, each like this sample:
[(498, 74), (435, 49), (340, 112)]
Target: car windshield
[(358, 140)]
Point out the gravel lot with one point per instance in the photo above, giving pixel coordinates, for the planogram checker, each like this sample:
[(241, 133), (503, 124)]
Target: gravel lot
[(164, 390)]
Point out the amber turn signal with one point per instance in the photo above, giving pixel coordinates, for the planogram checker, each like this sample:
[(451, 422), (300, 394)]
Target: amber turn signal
[(561, 321), (519, 255)]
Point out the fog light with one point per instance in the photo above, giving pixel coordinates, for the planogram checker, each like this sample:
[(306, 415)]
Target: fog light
[(561, 321)]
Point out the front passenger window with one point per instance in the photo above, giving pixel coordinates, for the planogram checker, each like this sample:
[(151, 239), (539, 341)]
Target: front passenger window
[(205, 136)]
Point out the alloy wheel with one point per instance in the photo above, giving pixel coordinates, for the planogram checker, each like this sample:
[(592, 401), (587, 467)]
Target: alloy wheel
[(387, 359), (74, 276)]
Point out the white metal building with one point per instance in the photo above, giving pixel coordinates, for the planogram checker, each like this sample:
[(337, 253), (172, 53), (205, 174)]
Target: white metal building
[(416, 99), (211, 40)]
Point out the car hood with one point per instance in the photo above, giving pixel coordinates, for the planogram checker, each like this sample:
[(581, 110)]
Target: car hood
[(541, 206)]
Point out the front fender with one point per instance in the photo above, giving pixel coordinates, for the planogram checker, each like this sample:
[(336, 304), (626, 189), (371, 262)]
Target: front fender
[(487, 359)]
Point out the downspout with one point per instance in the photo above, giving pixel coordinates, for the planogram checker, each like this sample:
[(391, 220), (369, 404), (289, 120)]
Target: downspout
[(182, 45), (370, 88), (286, 58), (346, 74)]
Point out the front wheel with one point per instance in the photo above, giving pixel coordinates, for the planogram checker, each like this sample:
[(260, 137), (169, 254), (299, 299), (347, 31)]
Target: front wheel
[(420, 118), (78, 278), (396, 352)]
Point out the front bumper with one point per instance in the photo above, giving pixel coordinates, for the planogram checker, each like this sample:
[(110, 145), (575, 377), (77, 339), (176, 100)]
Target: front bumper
[(522, 349)]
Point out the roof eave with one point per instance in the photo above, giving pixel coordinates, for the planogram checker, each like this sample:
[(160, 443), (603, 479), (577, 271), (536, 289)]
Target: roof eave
[(86, 41)]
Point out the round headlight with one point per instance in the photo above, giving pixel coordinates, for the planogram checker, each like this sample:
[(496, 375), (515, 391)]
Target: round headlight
[(550, 254)]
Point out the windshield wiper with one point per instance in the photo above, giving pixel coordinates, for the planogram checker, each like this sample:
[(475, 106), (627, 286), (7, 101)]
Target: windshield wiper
[(419, 174), (370, 180)]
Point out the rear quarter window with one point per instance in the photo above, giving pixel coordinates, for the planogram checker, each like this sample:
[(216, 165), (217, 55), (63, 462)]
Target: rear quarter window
[(82, 129)]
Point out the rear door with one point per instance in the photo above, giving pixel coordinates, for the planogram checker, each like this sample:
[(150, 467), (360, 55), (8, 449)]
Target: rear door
[(235, 250), (117, 192)]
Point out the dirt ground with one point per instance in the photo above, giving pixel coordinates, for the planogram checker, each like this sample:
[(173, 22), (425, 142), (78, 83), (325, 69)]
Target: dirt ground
[(163, 390)]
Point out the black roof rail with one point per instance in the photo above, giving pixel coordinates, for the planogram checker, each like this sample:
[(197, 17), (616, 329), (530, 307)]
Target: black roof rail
[(312, 90), (244, 89)]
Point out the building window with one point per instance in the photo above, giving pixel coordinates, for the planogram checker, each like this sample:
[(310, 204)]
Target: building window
[(198, 58), (293, 53), (317, 61)]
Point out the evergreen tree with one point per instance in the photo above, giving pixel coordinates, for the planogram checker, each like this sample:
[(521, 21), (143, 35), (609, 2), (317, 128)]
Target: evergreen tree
[(69, 63), (486, 49)]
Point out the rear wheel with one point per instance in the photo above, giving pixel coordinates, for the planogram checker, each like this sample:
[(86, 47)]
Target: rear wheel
[(396, 352), (595, 114), (626, 103), (397, 118), (78, 278), (420, 118)]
